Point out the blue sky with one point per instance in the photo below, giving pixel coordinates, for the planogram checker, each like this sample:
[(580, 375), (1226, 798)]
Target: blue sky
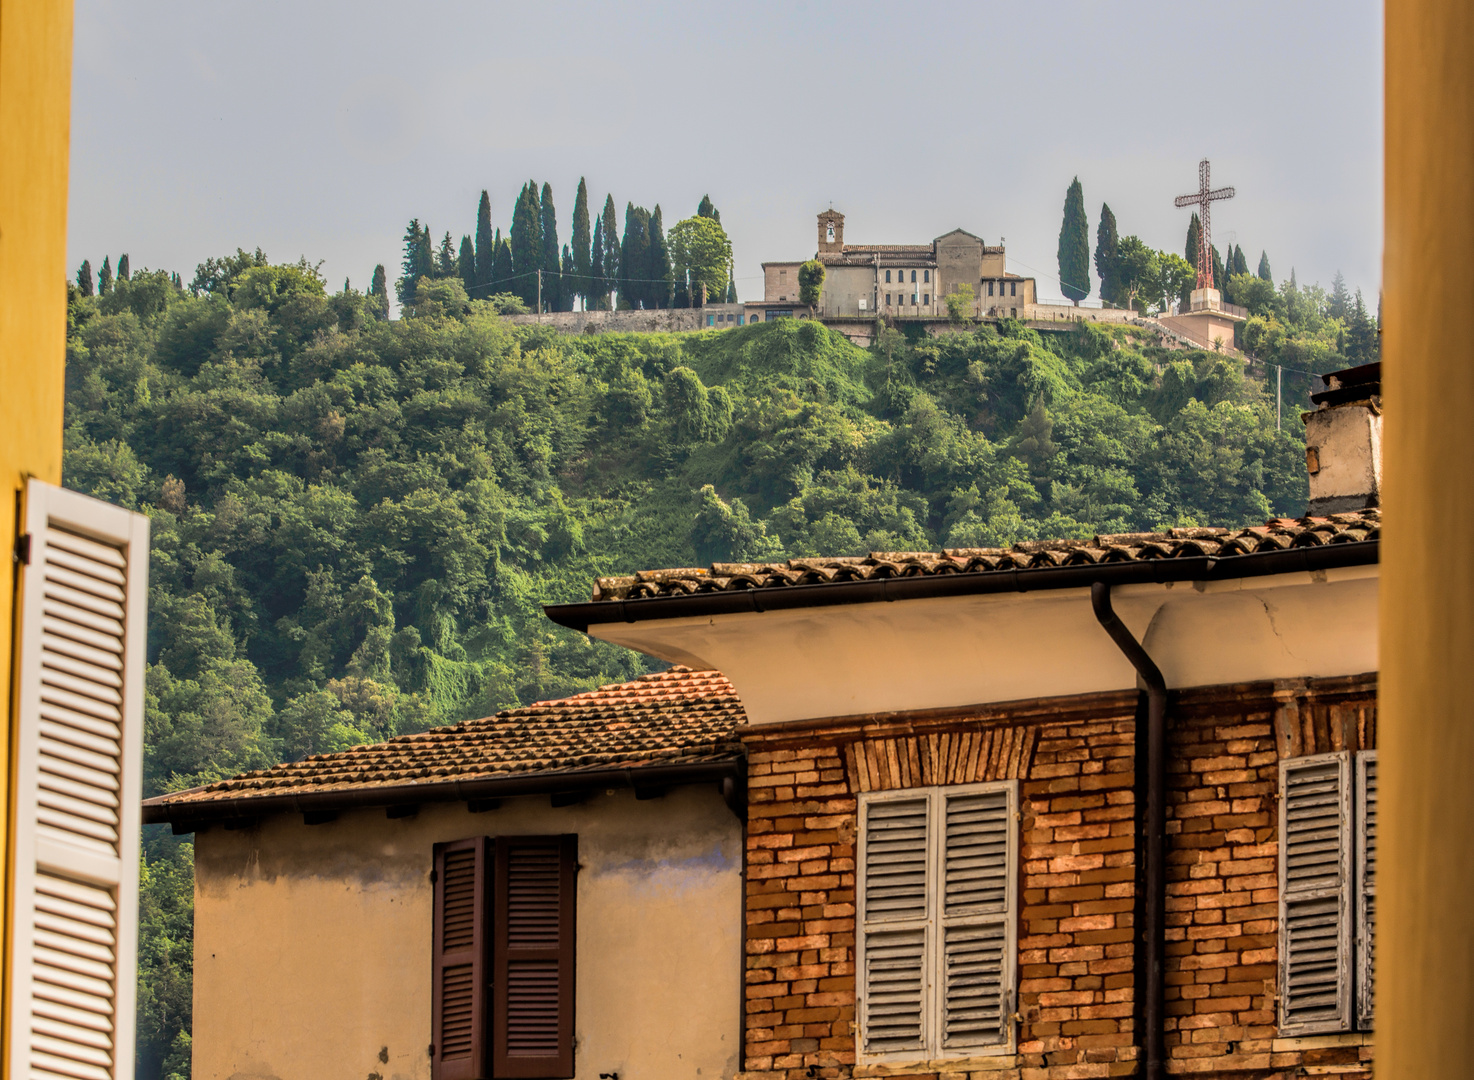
[(320, 129)]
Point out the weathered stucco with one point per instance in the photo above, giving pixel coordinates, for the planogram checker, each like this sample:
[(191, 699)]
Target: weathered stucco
[(312, 943)]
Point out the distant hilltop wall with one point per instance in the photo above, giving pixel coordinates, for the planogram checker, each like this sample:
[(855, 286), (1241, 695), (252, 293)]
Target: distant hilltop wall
[(624, 322)]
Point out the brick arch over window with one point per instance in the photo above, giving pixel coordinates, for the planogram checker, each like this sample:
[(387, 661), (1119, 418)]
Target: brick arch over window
[(949, 757)]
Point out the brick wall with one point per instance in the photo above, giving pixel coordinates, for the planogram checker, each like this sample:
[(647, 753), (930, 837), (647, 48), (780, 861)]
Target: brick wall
[(1074, 759)]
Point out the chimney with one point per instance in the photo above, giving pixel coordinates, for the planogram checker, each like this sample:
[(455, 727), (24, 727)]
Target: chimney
[(1343, 441)]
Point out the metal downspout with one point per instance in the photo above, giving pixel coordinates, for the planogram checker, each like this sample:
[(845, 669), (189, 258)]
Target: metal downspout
[(1155, 832)]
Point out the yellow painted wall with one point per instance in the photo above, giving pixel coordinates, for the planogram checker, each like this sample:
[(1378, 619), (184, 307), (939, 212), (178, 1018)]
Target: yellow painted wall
[(312, 943), (35, 120), (1425, 931)]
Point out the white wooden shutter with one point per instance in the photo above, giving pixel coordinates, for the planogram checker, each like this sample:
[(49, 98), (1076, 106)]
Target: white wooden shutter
[(895, 874), (1315, 894), (73, 928), (975, 1004), (1366, 886)]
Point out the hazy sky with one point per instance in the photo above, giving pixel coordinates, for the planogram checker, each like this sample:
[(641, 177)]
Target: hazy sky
[(321, 128)]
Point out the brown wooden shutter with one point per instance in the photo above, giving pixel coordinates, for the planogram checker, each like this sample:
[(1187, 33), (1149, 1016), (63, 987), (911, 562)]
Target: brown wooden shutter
[(533, 956), (459, 998), (1366, 887)]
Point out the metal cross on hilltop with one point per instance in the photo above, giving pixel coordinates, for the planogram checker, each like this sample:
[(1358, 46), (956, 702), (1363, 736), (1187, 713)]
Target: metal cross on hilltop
[(1203, 198)]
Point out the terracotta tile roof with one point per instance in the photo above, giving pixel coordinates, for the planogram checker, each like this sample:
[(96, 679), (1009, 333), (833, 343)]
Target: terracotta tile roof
[(1276, 535), (676, 717)]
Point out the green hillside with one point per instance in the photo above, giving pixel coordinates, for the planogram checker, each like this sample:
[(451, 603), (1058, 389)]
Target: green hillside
[(356, 521)]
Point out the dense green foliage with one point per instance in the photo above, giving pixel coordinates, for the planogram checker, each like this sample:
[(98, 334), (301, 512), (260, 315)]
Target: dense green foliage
[(1074, 246), (811, 283)]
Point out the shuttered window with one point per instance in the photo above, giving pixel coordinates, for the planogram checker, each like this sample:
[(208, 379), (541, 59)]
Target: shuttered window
[(78, 756), (504, 957), (1327, 892), (937, 912)]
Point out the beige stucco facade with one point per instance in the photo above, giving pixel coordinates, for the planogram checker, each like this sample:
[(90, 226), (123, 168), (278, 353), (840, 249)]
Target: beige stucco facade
[(312, 943)]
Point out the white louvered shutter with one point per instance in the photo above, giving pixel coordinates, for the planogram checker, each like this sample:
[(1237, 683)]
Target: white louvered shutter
[(1366, 886), (975, 1005), (73, 929), (895, 874), (1315, 894)]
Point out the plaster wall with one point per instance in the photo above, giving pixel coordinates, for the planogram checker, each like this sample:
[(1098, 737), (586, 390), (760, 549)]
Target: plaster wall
[(780, 282), (845, 287), (959, 262), (1204, 327), (1347, 443), (312, 943), (966, 650)]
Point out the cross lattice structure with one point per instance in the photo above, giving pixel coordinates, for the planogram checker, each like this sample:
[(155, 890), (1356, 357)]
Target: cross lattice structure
[(1204, 198)]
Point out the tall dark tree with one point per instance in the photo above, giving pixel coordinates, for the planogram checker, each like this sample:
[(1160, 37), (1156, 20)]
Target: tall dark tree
[(504, 269), (379, 293), (123, 272), (1362, 346), (597, 298), (582, 244), (634, 256), (552, 265), (1218, 278), (84, 277), (1107, 245), (568, 296), (1074, 245), (1194, 229), (527, 247), (732, 283), (485, 250), (105, 277), (708, 209), (445, 258), (660, 271), (1240, 264), (1264, 271), (466, 267), (1340, 303), (418, 261), (611, 248)]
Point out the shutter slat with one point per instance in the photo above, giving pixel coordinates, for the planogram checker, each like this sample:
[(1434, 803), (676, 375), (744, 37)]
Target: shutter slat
[(1315, 836), (894, 990), (895, 860)]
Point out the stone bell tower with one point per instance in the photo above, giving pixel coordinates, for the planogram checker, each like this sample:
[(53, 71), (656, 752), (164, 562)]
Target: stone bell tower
[(831, 231)]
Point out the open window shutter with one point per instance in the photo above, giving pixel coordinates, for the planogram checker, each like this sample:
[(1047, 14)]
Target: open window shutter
[(79, 664), (894, 911), (976, 992), (1315, 894), (461, 972), (1366, 885), (533, 956)]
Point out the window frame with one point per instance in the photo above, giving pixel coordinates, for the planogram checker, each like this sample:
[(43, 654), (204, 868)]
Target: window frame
[(934, 986)]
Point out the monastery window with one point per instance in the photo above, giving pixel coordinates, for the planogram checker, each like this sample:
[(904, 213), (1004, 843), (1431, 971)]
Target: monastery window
[(887, 277), (1328, 893), (990, 288), (887, 299), (937, 906), (926, 275), (503, 919), (913, 276), (913, 299), (926, 298)]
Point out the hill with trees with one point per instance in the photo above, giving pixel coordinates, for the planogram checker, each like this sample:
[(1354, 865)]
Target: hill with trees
[(356, 520)]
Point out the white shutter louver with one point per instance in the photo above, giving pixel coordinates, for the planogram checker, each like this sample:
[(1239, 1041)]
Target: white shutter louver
[(1366, 886), (74, 921), (1315, 888), (894, 913), (977, 955)]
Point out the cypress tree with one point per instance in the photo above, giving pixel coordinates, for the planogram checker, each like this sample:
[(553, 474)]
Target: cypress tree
[(466, 266), (1217, 268), (123, 267), (504, 269), (634, 257), (597, 298), (1264, 273), (731, 283), (1107, 248), (526, 245), (1240, 264), (1194, 228), (611, 248), (582, 244), (660, 269), (552, 266), (568, 295), (379, 293), (708, 209), (1340, 304), (485, 249), (1074, 246), (84, 278), (105, 277)]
